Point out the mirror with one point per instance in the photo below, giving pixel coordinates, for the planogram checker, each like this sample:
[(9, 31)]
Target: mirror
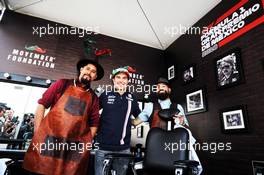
[(17, 120)]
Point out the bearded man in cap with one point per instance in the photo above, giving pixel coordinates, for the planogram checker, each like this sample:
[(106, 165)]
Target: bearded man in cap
[(163, 94), (63, 138)]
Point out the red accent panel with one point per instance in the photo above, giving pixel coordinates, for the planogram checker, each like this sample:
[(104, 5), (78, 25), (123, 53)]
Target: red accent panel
[(230, 11), (242, 31)]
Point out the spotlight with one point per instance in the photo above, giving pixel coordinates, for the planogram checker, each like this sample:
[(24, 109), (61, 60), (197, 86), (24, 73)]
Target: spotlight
[(7, 75), (48, 81), (28, 78)]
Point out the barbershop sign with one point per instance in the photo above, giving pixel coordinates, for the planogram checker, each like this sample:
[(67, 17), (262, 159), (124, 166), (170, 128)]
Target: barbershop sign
[(238, 20), (32, 55)]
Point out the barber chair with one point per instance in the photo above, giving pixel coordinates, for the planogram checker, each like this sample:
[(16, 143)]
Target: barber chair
[(13, 158), (166, 153)]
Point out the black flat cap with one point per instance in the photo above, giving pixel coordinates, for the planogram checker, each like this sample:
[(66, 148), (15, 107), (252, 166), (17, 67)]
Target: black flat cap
[(164, 81)]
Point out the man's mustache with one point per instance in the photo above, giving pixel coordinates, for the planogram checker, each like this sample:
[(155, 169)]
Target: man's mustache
[(162, 91), (88, 75)]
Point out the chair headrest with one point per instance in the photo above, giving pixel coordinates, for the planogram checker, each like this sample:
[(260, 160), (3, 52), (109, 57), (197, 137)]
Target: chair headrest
[(164, 147), (167, 114)]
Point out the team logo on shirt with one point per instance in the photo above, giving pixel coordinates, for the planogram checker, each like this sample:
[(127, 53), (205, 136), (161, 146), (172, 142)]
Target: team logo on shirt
[(111, 99)]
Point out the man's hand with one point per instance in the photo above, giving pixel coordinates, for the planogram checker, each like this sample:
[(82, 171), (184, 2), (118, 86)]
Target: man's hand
[(178, 119), (145, 114), (136, 121), (93, 131)]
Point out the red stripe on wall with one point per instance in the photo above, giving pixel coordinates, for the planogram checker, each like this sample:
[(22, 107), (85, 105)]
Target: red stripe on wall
[(230, 11), (242, 31), (211, 25)]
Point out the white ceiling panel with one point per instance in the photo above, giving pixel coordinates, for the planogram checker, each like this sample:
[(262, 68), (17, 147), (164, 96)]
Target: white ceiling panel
[(123, 19)]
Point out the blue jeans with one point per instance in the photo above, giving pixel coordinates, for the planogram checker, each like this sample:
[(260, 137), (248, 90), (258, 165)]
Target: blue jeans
[(120, 165)]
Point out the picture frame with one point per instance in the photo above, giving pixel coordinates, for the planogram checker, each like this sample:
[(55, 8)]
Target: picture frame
[(196, 101), (171, 72), (229, 69), (188, 74), (234, 119)]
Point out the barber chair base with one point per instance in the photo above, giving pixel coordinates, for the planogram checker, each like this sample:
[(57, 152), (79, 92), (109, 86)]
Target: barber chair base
[(15, 168), (109, 158), (186, 167)]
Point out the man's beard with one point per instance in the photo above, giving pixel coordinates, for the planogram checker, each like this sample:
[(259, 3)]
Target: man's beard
[(163, 95), (85, 81)]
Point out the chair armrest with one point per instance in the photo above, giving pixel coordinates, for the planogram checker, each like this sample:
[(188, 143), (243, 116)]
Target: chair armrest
[(119, 155), (186, 163), (12, 154)]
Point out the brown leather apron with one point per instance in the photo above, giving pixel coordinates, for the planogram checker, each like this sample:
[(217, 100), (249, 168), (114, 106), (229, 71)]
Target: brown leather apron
[(63, 140), (157, 121)]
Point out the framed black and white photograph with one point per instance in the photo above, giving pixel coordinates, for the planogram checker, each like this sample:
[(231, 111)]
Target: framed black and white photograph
[(229, 69), (171, 72), (234, 119), (189, 74), (196, 102)]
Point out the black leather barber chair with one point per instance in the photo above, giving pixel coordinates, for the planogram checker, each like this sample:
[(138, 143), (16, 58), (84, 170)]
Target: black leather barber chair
[(16, 156), (166, 153)]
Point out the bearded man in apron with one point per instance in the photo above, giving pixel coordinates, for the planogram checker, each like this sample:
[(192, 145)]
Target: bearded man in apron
[(63, 138)]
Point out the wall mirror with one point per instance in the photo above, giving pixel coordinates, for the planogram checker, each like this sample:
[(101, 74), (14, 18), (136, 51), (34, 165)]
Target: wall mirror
[(17, 121)]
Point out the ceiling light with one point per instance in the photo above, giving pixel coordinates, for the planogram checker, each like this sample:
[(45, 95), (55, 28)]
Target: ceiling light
[(7, 75), (29, 79), (48, 81)]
